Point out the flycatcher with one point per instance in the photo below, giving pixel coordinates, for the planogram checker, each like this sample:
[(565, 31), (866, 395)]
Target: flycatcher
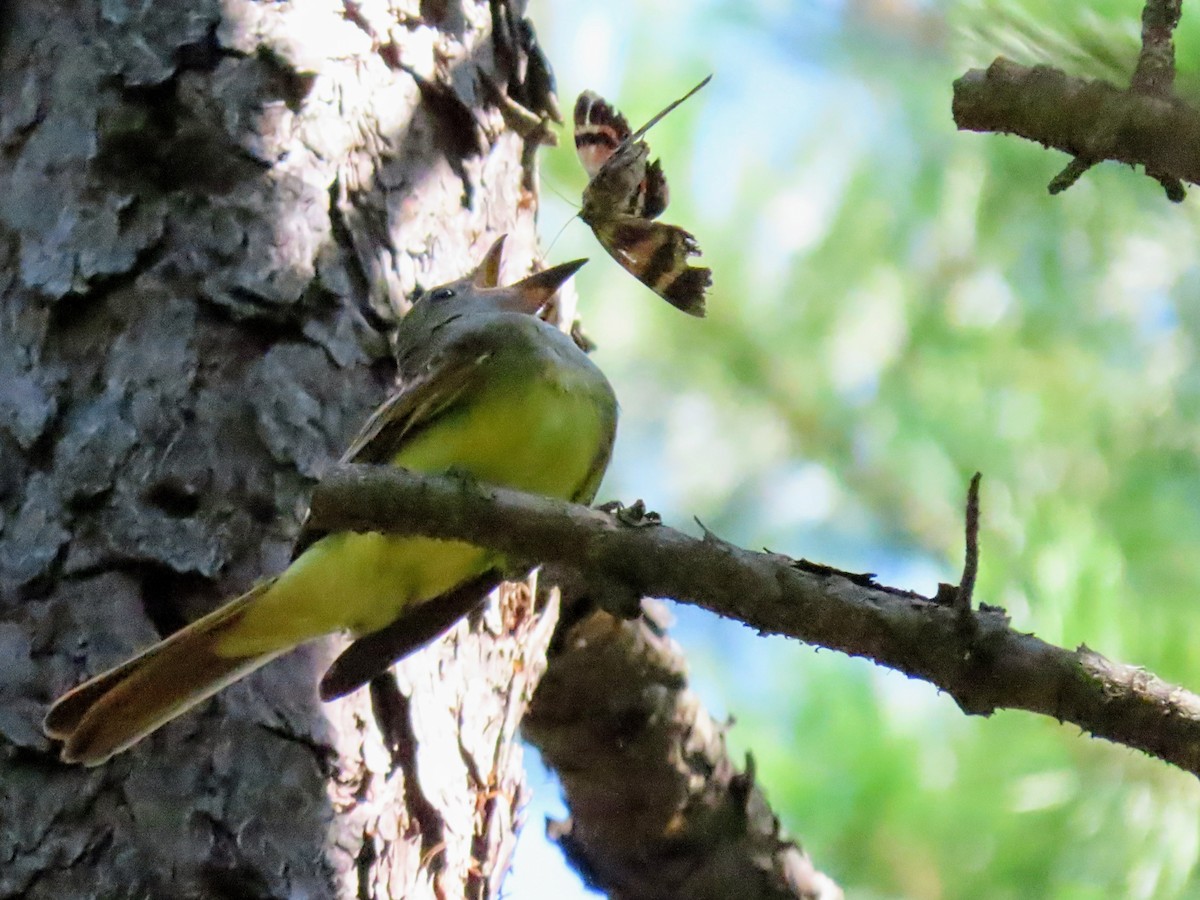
[(487, 388)]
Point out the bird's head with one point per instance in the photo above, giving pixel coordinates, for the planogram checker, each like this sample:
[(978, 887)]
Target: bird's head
[(440, 312), (480, 290)]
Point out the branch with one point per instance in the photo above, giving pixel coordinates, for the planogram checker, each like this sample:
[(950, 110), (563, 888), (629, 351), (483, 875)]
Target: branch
[(989, 667), (966, 585), (658, 809), (1091, 120), (1155, 72)]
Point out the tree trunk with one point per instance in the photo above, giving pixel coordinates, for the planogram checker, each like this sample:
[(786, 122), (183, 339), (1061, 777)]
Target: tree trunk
[(209, 212)]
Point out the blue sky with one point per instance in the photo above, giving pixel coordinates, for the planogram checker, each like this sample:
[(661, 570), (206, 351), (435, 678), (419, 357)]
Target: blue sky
[(739, 127)]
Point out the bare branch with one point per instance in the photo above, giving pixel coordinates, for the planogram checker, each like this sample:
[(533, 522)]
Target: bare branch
[(1070, 174), (1155, 73), (658, 808), (1093, 121), (966, 586), (994, 667)]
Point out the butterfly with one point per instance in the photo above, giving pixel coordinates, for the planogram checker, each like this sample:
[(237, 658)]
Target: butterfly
[(626, 191)]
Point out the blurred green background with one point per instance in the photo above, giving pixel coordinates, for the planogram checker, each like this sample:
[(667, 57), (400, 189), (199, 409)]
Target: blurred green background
[(896, 305)]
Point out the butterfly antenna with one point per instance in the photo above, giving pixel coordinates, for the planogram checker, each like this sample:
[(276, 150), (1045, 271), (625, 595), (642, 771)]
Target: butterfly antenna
[(559, 194), (559, 234), (641, 131)]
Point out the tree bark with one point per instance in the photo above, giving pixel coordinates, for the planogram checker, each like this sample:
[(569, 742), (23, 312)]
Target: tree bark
[(658, 807), (209, 212)]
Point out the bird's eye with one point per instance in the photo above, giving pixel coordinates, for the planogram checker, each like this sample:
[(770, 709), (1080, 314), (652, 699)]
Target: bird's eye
[(442, 293)]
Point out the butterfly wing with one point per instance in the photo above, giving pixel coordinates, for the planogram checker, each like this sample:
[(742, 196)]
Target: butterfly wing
[(652, 195), (625, 192), (599, 131), (621, 178), (656, 254)]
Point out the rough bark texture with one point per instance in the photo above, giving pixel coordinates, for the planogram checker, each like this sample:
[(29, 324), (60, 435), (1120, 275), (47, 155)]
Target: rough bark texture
[(1091, 120), (658, 808), (207, 211)]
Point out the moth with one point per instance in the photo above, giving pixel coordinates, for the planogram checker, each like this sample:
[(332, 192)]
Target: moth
[(625, 193)]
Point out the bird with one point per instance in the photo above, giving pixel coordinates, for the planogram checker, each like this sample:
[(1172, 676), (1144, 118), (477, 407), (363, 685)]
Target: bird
[(487, 389)]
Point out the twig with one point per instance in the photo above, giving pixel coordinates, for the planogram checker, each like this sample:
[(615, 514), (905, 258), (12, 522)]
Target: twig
[(899, 629), (1155, 72), (966, 585), (1070, 174)]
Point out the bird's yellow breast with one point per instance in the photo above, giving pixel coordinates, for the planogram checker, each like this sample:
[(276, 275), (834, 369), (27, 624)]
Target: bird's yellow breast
[(534, 431)]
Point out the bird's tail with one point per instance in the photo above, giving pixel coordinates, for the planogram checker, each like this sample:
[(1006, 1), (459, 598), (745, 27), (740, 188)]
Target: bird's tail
[(118, 708)]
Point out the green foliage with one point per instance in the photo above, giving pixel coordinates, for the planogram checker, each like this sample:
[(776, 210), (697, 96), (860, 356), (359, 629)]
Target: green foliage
[(895, 306), (1098, 40)]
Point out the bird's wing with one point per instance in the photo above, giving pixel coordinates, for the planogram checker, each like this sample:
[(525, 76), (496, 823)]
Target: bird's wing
[(418, 404)]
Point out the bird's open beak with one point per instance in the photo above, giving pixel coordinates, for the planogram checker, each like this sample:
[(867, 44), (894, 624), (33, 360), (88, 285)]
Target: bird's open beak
[(530, 294), (487, 273)]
